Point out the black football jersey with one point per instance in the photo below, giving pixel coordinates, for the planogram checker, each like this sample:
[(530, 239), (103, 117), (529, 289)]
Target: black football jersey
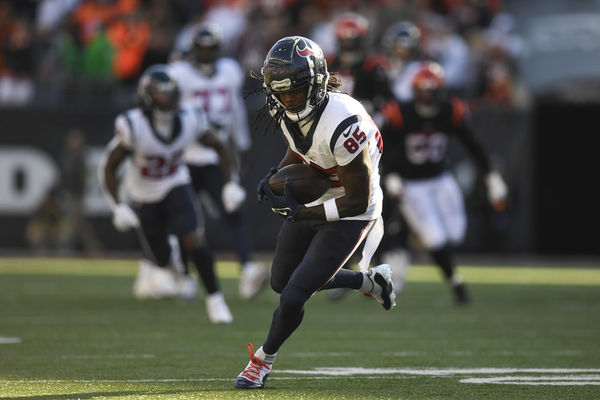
[(365, 80), (416, 147)]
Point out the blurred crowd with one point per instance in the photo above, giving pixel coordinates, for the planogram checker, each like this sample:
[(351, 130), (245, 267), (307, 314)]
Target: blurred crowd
[(53, 51)]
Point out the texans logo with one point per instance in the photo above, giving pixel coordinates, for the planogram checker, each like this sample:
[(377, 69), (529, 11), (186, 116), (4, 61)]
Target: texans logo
[(305, 52)]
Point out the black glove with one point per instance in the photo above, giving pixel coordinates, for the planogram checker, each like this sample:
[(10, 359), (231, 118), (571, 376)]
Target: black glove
[(285, 205), (260, 194)]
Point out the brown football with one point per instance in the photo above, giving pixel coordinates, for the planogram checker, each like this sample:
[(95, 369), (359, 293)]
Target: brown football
[(308, 183)]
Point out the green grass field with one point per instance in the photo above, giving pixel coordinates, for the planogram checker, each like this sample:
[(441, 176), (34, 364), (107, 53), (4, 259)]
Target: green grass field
[(70, 329)]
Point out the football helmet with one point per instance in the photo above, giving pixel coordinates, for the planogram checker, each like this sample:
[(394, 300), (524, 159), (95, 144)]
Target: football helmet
[(402, 39), (430, 76), (428, 84), (295, 63), (207, 45), (157, 90), (351, 30)]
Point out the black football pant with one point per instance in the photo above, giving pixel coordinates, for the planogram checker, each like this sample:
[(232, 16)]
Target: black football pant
[(309, 257), (175, 215), (210, 179)]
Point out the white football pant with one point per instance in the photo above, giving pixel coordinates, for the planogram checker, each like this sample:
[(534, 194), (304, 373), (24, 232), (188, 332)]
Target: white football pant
[(435, 210)]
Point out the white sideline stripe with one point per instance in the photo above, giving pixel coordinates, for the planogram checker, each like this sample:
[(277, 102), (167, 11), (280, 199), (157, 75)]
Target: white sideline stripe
[(335, 371), (569, 380), (9, 340), (534, 378)]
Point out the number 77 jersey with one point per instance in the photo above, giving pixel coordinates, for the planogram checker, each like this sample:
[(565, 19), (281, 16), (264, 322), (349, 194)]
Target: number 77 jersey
[(340, 131)]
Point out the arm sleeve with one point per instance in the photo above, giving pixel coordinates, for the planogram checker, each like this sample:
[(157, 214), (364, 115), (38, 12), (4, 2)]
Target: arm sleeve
[(124, 131), (464, 131)]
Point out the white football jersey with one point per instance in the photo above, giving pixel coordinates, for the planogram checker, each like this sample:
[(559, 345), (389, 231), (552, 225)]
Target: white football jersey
[(339, 134), (156, 164), (220, 96)]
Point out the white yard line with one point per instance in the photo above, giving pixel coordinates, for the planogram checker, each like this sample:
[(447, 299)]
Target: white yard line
[(551, 377), (9, 340)]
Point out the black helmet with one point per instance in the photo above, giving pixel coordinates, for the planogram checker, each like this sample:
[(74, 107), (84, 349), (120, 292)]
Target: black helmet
[(402, 35), (294, 63), (157, 89), (207, 44)]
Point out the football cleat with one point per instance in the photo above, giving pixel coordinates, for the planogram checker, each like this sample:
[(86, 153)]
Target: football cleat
[(217, 309), (461, 295), (383, 286), (252, 280), (187, 287), (154, 282), (255, 374)]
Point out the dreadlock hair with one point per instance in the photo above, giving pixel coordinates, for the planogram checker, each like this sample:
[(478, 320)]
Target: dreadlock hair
[(333, 85)]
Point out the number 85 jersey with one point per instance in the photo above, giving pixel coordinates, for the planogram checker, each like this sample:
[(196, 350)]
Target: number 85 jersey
[(156, 164), (340, 131)]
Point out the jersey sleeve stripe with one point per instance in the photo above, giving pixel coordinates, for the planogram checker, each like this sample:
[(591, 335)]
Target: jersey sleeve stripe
[(131, 130), (341, 128)]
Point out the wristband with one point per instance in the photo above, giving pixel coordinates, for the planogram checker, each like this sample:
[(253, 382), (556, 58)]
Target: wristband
[(331, 210)]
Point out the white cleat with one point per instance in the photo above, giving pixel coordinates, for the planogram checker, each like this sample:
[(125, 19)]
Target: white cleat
[(217, 309), (383, 286), (252, 280), (187, 287), (255, 374), (154, 282)]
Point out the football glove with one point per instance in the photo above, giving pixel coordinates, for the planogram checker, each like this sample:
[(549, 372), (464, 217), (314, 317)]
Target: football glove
[(497, 190), (285, 205), (124, 218), (393, 185), (260, 194), (233, 196)]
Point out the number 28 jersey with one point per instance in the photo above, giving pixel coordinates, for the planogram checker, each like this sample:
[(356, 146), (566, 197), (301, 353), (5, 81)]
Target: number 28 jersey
[(156, 165), (342, 128)]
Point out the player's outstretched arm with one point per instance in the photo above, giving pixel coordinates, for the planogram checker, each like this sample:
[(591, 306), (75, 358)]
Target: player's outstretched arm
[(114, 155), (226, 158)]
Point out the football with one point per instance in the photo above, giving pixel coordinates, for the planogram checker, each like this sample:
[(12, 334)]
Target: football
[(308, 183)]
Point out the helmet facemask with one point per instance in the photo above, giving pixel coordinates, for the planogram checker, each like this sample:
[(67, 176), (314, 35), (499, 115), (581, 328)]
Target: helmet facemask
[(293, 64)]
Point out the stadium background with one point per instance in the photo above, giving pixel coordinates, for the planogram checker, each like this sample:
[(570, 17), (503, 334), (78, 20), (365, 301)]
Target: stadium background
[(545, 146)]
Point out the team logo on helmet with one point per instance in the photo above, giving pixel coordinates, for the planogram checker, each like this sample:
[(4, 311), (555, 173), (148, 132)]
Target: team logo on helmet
[(305, 52)]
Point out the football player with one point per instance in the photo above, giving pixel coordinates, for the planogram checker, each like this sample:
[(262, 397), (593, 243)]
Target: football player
[(213, 84), (330, 131), (153, 137), (363, 75), (418, 176)]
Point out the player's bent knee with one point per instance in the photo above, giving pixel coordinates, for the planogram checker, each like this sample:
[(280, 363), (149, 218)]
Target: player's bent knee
[(277, 286), (292, 300)]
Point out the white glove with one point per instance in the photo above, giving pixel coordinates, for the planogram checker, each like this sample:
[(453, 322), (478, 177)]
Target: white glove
[(393, 184), (233, 196), (497, 190), (124, 218)]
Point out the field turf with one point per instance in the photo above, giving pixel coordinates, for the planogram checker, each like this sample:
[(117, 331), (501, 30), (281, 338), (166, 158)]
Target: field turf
[(70, 329)]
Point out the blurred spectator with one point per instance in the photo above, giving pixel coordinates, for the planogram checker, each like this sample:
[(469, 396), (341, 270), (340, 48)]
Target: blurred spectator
[(129, 36), (16, 78), (164, 23), (228, 15), (44, 229), (402, 44), (445, 46), (74, 176)]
